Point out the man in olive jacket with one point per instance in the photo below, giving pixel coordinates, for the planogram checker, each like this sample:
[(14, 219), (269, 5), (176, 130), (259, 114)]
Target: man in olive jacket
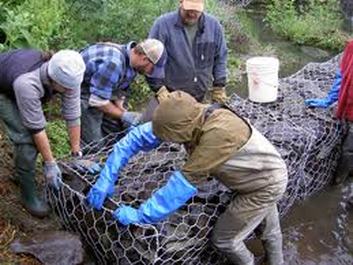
[(218, 142)]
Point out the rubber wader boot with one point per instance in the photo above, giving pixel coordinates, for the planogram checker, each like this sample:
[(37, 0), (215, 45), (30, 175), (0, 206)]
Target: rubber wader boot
[(343, 169), (25, 168), (345, 164)]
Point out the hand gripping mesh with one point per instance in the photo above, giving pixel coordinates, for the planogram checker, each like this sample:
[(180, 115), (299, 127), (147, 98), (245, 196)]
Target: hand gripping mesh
[(308, 139)]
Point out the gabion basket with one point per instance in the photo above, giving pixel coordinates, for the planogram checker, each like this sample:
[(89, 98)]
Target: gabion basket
[(308, 139)]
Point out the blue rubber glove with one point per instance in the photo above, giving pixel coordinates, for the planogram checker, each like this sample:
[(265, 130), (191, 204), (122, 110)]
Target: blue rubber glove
[(331, 97), (163, 202), (52, 174), (131, 118), (139, 138)]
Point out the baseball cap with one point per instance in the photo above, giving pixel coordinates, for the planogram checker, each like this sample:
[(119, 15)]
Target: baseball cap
[(155, 52), (197, 5), (67, 68)]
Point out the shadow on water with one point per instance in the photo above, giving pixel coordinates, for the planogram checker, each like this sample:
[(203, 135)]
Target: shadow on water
[(320, 230)]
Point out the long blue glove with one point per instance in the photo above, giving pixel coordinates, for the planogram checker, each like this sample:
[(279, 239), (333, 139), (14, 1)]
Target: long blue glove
[(139, 138), (163, 202), (331, 97)]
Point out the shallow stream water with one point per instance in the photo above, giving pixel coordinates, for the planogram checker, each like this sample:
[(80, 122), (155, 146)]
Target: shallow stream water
[(320, 229)]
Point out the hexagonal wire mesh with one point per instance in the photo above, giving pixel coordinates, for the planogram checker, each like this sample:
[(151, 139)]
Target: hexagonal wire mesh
[(308, 139)]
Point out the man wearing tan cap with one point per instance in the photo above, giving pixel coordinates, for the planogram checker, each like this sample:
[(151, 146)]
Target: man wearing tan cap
[(110, 69), (197, 52)]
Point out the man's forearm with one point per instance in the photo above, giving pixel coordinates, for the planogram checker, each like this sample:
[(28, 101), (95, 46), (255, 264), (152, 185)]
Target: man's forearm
[(75, 135), (112, 110), (42, 143)]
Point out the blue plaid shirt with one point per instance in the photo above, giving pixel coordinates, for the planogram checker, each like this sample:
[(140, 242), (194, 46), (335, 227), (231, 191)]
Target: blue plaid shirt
[(108, 70)]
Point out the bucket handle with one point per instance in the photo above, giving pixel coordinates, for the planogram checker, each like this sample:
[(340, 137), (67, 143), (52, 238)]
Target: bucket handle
[(256, 82)]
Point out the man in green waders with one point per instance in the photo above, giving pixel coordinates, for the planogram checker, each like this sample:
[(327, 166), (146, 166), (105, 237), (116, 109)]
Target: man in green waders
[(218, 142), (27, 79)]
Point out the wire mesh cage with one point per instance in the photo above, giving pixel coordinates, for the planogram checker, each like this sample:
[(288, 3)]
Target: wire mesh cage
[(308, 139), (171, 242)]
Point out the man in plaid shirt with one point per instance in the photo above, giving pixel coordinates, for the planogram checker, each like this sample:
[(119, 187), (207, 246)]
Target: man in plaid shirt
[(110, 69)]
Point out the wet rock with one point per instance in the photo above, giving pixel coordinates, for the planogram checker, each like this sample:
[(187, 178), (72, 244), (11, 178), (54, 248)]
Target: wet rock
[(52, 248)]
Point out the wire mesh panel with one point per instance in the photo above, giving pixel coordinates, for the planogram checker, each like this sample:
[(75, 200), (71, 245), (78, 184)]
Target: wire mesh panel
[(308, 139)]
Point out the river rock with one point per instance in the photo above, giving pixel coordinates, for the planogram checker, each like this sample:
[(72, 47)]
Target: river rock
[(51, 248)]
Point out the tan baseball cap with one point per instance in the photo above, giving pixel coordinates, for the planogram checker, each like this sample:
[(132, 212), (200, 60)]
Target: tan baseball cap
[(155, 52), (197, 5)]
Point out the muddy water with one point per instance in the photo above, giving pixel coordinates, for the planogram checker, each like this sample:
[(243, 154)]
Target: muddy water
[(320, 229)]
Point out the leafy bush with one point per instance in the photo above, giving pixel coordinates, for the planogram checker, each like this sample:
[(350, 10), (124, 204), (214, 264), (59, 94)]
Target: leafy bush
[(136, 16), (32, 23), (316, 24), (140, 93), (120, 21)]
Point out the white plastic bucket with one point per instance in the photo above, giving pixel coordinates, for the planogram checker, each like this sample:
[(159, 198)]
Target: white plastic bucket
[(262, 78)]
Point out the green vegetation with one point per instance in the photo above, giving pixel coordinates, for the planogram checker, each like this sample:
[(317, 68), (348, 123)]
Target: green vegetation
[(315, 23), (58, 137), (56, 24), (31, 23)]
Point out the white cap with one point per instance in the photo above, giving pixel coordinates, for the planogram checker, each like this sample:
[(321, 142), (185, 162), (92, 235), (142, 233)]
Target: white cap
[(67, 68)]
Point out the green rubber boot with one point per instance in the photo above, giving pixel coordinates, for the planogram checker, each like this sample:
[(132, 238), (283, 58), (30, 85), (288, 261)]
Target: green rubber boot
[(25, 162)]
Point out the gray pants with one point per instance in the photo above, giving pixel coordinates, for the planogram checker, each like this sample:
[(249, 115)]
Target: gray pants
[(243, 215), (95, 125), (24, 148)]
